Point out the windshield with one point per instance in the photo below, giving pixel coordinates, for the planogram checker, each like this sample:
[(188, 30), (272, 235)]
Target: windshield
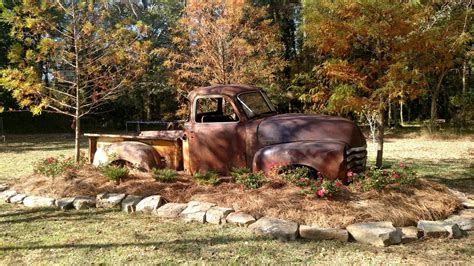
[(255, 104)]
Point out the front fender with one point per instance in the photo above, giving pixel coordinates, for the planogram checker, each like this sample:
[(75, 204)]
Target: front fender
[(325, 157)]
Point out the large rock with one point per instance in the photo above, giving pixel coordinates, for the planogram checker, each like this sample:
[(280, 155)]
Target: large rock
[(196, 211), (109, 200), (17, 199), (129, 204), (38, 202), (317, 233), (439, 229), (240, 218), (380, 234), (65, 203), (410, 233), (3, 187), (280, 229), (171, 210), (150, 204), (84, 202), (7, 194), (217, 215)]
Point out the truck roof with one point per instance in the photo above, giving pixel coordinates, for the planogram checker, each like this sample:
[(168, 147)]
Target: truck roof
[(230, 90)]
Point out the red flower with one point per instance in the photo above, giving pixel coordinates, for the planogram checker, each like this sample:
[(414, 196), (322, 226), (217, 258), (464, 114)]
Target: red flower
[(50, 160), (402, 164), (350, 174), (396, 176), (338, 183), (321, 192)]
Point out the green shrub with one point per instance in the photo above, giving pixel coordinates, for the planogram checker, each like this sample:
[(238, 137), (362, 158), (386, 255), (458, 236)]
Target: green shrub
[(53, 167), (238, 172), (206, 178), (164, 175), (378, 179), (294, 174), (115, 173), (252, 180)]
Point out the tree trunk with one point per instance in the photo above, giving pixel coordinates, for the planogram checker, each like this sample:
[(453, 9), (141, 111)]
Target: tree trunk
[(77, 144), (380, 134), (402, 121), (389, 122), (434, 104)]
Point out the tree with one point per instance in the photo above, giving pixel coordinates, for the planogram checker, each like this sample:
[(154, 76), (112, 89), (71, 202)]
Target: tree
[(70, 58), (362, 47), (224, 42)]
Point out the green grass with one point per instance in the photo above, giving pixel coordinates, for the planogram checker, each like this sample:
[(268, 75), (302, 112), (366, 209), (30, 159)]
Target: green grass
[(20, 152), (100, 236)]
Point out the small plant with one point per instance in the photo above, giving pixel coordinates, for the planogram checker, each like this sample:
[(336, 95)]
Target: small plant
[(310, 183), (206, 178), (53, 167), (378, 179), (252, 180), (164, 175), (239, 172), (115, 173), (295, 174)]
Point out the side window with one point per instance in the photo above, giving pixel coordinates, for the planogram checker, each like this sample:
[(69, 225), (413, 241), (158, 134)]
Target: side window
[(214, 109)]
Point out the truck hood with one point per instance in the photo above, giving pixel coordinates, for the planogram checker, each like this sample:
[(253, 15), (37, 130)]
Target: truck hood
[(300, 127)]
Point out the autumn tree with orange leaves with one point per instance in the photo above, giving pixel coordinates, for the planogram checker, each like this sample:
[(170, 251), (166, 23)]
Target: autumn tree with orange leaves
[(362, 46), (224, 42)]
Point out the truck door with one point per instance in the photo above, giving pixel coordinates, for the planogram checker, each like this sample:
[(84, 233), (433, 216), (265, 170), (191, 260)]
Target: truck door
[(215, 135)]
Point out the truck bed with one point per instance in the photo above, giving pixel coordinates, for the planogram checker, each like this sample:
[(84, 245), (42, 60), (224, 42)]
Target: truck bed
[(168, 144)]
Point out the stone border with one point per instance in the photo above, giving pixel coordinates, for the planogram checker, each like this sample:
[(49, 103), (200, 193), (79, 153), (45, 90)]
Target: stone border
[(373, 233)]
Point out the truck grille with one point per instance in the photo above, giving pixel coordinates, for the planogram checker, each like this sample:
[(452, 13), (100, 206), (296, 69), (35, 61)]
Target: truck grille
[(356, 158)]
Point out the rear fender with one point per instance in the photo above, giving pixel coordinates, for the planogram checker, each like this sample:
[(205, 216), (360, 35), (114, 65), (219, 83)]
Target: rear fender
[(140, 155), (325, 157)]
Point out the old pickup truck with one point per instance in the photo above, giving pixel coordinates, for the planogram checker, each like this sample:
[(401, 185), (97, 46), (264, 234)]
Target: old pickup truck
[(237, 126)]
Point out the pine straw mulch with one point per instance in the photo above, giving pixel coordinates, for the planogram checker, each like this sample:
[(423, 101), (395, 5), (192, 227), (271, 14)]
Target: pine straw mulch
[(402, 205)]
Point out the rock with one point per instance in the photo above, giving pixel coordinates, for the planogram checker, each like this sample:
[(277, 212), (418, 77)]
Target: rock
[(217, 215), (38, 202), (3, 187), (129, 204), (464, 223), (171, 210), (65, 203), (439, 229), (317, 233), (150, 204), (240, 218), (469, 213), (380, 234), (410, 233), (7, 194), (468, 204), (280, 229), (196, 211), (109, 200), (84, 202), (17, 199)]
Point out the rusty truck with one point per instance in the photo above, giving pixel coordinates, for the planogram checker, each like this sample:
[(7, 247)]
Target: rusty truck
[(236, 126)]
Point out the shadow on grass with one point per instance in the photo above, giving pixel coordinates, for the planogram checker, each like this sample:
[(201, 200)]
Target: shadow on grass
[(52, 215), (455, 174)]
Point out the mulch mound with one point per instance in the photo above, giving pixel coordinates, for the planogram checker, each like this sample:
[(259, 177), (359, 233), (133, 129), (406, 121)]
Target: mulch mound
[(403, 205)]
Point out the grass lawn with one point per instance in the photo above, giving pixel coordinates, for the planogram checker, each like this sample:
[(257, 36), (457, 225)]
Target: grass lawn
[(100, 236)]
